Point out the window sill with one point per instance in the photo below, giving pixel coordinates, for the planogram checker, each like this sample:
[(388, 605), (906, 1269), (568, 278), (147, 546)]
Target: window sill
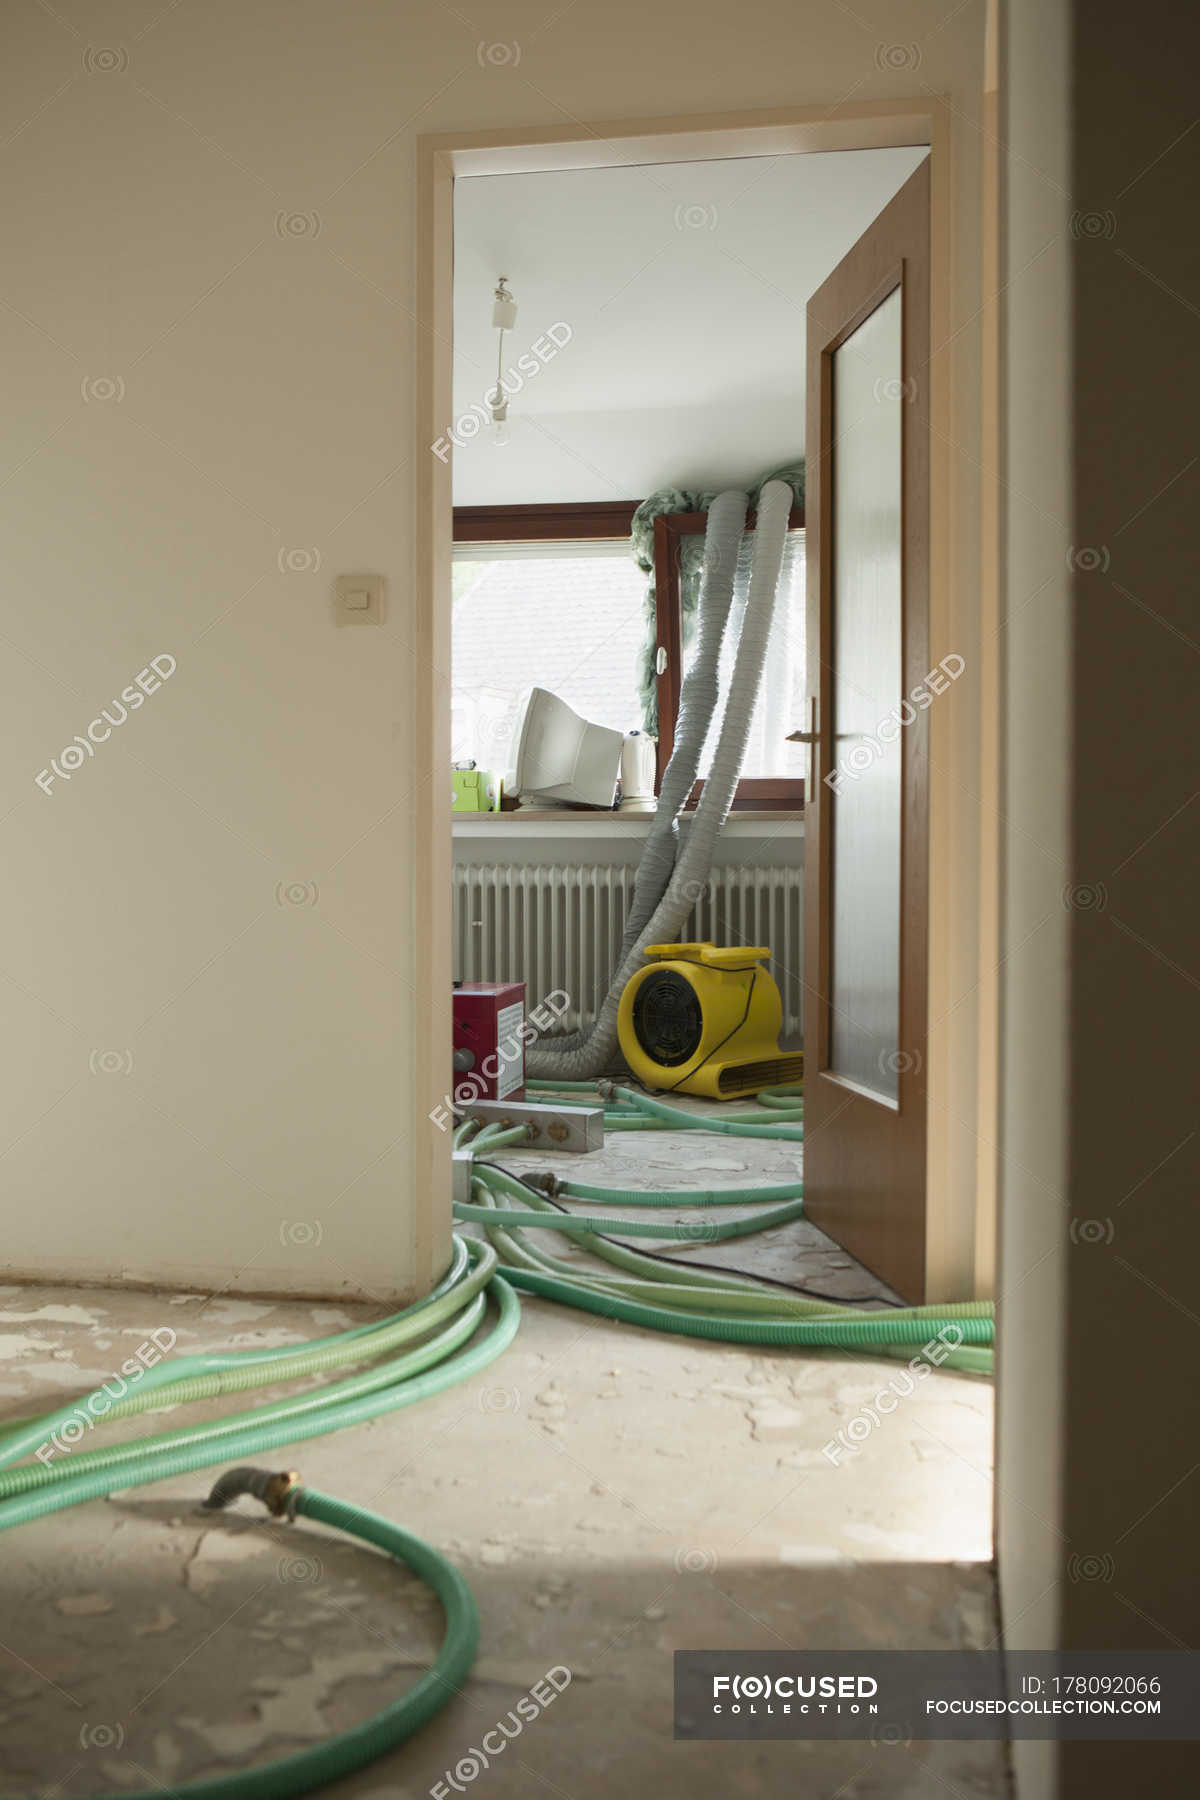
[(570, 823)]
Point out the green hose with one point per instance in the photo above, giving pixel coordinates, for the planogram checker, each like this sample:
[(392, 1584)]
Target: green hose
[(445, 1321), (865, 1332), (238, 1427), (671, 1296), (353, 1749), (701, 1232), (730, 1125), (427, 1347), (205, 1377), (46, 1486), (626, 1110), (579, 1190)]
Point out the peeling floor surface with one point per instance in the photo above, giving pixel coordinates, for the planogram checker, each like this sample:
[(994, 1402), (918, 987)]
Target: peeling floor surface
[(796, 1252), (611, 1494)]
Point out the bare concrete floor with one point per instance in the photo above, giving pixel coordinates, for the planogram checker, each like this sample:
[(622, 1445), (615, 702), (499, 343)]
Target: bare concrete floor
[(611, 1494), (670, 1160)]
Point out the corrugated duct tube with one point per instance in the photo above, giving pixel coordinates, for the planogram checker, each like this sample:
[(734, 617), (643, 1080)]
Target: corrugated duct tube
[(697, 703), (693, 858)]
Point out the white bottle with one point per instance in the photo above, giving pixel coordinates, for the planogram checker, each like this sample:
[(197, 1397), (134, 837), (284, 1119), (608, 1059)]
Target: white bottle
[(639, 755)]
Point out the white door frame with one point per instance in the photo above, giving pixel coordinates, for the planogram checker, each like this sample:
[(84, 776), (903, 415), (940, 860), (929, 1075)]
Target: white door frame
[(441, 158)]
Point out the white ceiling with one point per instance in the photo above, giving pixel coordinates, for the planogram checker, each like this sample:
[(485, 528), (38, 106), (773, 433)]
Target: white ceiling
[(684, 287)]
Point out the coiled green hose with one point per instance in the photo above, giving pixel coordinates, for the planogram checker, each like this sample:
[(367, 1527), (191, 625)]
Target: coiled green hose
[(445, 1321), (673, 1297), (205, 1377), (353, 1749), (44, 1486), (427, 1347)]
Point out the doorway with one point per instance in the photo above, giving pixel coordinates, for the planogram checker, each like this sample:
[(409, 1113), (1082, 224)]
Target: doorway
[(632, 151), (768, 1480)]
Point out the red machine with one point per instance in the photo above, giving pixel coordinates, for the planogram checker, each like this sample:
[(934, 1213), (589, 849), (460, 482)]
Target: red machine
[(489, 1041)]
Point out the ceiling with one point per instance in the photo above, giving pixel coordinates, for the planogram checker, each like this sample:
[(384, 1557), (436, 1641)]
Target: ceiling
[(679, 292)]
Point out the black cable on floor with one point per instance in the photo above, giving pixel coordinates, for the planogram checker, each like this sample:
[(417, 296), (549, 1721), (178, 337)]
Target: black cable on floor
[(688, 1262)]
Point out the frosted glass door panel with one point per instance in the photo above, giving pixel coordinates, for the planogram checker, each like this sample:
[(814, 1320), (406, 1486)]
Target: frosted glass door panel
[(867, 673)]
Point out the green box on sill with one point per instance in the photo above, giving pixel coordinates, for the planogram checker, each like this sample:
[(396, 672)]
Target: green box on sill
[(475, 790)]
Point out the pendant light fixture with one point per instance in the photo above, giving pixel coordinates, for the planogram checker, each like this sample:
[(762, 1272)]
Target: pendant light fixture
[(504, 317)]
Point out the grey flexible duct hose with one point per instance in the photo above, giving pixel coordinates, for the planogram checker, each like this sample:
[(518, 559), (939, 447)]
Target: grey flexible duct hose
[(697, 703), (550, 1062)]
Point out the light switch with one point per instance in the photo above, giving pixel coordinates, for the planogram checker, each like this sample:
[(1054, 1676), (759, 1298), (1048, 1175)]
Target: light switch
[(358, 600)]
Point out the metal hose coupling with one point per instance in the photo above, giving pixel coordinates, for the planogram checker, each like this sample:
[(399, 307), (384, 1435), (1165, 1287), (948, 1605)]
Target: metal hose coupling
[(546, 1180), (278, 1490)]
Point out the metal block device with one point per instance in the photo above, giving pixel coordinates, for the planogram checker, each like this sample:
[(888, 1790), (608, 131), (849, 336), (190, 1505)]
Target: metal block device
[(576, 1129)]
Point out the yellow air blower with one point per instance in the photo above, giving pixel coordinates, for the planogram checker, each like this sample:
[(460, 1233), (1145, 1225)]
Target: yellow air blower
[(703, 1020)]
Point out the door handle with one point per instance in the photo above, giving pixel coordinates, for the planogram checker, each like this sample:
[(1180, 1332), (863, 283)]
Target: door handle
[(812, 738)]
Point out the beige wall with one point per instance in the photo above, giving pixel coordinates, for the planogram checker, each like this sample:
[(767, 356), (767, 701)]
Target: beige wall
[(205, 933), (1035, 608), (1096, 1481)]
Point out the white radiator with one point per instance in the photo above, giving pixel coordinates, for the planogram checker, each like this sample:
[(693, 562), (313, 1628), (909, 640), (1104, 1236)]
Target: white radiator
[(560, 928)]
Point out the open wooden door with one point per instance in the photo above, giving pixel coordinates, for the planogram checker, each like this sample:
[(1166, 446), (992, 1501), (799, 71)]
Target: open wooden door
[(869, 689)]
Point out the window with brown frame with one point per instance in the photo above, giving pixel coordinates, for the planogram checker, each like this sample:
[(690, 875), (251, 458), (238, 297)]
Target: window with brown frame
[(525, 540)]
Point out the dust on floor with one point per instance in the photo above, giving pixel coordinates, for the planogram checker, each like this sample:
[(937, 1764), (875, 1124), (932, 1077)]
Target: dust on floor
[(611, 1494)]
